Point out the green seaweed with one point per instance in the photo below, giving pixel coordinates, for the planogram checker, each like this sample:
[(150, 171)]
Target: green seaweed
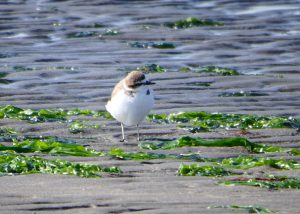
[(76, 112), (4, 81), (269, 183), (121, 154), (50, 146), (7, 134), (247, 162), (86, 112), (53, 147), (42, 115), (204, 121), (224, 165), (211, 70), (159, 45), (2, 75), (194, 169), (185, 69), (104, 114), (152, 68), (46, 115), (11, 135), (190, 141), (219, 70), (19, 68), (185, 141), (7, 131), (78, 127), (192, 22), (242, 94), (248, 208), (11, 163), (240, 162)]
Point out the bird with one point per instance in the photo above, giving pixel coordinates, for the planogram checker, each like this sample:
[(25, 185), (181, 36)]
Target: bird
[(131, 101)]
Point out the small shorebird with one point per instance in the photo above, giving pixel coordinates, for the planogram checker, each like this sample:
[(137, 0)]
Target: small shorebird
[(131, 100)]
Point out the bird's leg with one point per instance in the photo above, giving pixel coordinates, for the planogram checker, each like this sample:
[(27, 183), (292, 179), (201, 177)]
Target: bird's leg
[(138, 132), (123, 135)]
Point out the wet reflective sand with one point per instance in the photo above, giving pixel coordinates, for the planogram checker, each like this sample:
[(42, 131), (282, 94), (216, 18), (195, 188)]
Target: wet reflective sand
[(69, 54)]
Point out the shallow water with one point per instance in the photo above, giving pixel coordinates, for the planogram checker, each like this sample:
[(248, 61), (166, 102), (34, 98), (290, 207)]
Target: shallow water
[(46, 63)]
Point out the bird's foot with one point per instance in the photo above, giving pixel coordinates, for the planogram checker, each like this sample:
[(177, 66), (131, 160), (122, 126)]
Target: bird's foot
[(123, 140)]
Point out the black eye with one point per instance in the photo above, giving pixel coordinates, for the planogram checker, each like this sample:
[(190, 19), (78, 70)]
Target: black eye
[(149, 83)]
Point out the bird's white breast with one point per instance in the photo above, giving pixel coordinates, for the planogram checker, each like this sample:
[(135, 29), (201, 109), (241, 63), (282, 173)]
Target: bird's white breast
[(131, 109)]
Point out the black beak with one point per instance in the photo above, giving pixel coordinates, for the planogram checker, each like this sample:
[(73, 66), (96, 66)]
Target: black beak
[(149, 83)]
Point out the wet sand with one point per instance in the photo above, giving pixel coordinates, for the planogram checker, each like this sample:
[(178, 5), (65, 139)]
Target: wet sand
[(260, 41), (153, 186)]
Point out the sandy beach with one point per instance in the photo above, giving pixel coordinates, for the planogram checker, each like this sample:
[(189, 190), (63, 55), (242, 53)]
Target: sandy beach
[(49, 70)]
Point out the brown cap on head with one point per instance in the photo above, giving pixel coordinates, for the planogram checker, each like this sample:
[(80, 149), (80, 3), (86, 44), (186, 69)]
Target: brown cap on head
[(133, 78)]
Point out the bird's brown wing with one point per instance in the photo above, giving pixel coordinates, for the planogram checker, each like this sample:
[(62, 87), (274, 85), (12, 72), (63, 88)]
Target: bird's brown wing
[(117, 88)]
